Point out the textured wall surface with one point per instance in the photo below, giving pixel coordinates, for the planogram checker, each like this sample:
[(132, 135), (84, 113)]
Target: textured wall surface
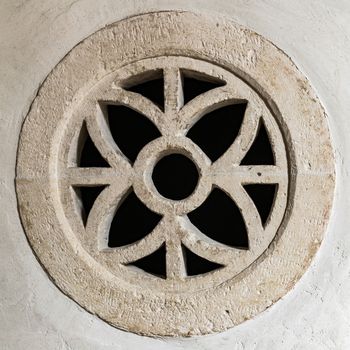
[(34, 36)]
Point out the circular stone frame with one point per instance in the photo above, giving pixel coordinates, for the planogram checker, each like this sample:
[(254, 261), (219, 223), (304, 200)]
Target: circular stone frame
[(299, 115)]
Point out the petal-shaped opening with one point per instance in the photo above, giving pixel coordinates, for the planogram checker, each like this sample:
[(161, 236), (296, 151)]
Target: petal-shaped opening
[(154, 263), (195, 84), (131, 130), (260, 152), (86, 197), (132, 222), (216, 131), (220, 219), (263, 196), (88, 154), (149, 85), (196, 265)]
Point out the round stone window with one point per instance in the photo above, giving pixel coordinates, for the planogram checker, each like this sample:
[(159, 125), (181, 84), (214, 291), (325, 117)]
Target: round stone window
[(175, 174)]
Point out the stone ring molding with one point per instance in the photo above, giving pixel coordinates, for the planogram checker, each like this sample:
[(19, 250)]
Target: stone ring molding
[(97, 73)]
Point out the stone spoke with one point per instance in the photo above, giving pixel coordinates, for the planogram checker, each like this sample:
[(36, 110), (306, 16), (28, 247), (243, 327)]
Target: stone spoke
[(248, 174), (90, 176), (175, 265), (173, 96)]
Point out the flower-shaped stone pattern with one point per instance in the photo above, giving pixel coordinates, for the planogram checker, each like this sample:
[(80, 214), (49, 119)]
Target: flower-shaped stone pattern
[(182, 171)]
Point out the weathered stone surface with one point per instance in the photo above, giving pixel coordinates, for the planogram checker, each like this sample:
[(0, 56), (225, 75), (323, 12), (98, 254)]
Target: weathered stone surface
[(78, 259)]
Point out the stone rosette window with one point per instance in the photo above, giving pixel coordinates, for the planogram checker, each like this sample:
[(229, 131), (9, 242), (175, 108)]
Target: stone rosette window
[(174, 187)]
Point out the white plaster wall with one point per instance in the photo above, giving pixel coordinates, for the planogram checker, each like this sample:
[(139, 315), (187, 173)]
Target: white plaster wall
[(34, 36)]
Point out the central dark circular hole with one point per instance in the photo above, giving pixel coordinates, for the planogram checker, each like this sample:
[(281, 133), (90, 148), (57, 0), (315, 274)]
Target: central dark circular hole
[(175, 176)]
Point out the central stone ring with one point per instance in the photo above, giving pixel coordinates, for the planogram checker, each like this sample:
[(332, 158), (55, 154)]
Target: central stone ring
[(146, 170)]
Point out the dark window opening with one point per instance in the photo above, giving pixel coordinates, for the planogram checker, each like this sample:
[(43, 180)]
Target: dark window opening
[(215, 132), (149, 85), (263, 196), (175, 176), (260, 152), (131, 130), (196, 265), (195, 84), (87, 197), (132, 221), (89, 156), (220, 219), (154, 263)]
